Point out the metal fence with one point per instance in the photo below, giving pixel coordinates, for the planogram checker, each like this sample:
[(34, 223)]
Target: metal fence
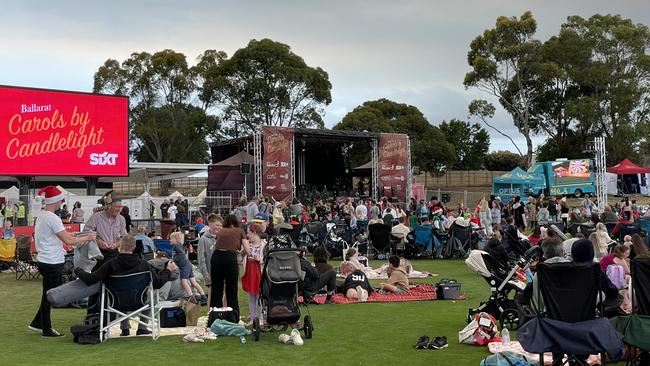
[(453, 198)]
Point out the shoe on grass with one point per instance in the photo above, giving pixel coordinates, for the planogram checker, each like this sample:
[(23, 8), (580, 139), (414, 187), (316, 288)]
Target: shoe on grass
[(423, 343), (52, 333), (284, 338), (330, 301), (35, 329), (296, 338), (439, 343), (192, 338), (143, 332)]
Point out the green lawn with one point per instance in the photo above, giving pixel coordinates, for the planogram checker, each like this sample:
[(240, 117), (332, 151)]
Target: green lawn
[(357, 334)]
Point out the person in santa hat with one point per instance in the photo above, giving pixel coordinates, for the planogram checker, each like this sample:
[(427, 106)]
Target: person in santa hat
[(50, 235)]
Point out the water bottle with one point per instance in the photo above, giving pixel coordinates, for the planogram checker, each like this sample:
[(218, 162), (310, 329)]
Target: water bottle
[(505, 336)]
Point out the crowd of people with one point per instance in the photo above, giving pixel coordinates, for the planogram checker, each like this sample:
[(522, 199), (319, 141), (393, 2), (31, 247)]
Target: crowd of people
[(238, 239)]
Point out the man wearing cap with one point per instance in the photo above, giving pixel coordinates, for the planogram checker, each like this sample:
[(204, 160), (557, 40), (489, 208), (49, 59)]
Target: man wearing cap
[(109, 225), (50, 235)]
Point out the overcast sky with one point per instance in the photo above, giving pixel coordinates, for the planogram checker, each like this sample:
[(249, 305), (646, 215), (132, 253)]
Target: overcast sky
[(409, 51)]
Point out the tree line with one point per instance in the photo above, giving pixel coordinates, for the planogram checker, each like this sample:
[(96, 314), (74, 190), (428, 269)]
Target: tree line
[(590, 80)]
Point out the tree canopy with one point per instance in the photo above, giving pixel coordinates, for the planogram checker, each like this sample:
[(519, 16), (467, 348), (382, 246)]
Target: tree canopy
[(470, 141), (177, 109), (265, 83), (429, 149)]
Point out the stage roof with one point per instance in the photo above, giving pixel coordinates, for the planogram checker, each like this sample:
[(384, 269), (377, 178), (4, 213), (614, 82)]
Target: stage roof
[(312, 134)]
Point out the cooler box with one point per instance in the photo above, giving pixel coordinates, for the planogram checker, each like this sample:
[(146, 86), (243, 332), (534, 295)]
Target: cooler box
[(448, 289), (172, 317)]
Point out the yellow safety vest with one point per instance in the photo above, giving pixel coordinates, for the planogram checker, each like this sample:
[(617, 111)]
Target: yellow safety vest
[(21, 212), (9, 211), (154, 213)]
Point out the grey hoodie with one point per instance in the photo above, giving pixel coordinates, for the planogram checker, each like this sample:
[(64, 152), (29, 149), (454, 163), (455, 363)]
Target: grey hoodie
[(206, 247)]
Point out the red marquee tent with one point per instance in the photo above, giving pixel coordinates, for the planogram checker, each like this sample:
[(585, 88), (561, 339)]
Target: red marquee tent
[(627, 167)]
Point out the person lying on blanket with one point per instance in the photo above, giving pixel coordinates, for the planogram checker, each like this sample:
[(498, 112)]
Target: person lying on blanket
[(398, 282), (356, 285), (352, 256)]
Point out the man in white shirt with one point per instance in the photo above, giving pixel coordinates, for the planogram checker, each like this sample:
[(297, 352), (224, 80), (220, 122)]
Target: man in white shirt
[(361, 212), (172, 211), (50, 235)]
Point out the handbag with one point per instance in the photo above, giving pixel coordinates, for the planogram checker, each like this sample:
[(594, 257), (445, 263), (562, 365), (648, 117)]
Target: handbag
[(191, 308)]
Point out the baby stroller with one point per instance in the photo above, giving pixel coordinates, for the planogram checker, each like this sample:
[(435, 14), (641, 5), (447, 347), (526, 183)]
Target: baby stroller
[(279, 288), (335, 239), (505, 288)]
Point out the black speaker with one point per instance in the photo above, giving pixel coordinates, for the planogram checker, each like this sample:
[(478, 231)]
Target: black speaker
[(246, 168)]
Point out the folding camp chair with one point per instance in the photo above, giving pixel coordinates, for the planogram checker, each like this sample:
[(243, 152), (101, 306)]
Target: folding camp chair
[(25, 264), (126, 297), (635, 327), (379, 240), (644, 225), (571, 326), (8, 250), (628, 229), (423, 245), (164, 246)]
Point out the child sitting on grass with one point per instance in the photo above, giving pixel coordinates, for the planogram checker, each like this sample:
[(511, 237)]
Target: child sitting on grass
[(398, 282), (185, 267)]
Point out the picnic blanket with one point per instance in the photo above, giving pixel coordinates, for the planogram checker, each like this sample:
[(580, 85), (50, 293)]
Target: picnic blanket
[(381, 273), (515, 346), (420, 292)]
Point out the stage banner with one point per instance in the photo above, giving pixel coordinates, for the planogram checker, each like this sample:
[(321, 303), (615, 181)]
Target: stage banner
[(276, 172), (393, 165), (50, 132)]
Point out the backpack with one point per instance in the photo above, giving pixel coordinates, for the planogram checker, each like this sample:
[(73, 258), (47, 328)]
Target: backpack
[(616, 275), (88, 332), (506, 358)]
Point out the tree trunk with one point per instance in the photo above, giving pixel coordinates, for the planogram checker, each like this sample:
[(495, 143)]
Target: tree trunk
[(529, 151), (164, 187)]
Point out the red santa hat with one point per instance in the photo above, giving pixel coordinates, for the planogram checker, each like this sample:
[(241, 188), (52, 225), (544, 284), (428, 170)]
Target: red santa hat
[(52, 194)]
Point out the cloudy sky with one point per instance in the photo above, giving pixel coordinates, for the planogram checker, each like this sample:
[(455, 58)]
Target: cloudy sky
[(408, 51)]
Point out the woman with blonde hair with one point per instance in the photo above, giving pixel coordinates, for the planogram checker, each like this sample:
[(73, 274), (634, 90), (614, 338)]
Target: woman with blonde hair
[(603, 239), (485, 215)]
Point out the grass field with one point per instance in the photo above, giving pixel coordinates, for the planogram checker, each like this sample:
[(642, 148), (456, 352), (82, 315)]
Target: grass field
[(357, 334)]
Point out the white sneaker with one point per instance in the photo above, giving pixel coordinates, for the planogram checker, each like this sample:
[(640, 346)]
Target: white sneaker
[(296, 338), (192, 338), (284, 338), (362, 294)]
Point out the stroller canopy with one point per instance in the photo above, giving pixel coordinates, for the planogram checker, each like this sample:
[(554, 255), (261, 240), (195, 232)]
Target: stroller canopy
[(475, 261)]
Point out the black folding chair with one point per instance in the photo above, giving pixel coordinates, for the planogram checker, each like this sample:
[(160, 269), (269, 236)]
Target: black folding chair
[(571, 323), (25, 264), (634, 327), (125, 297), (379, 239)]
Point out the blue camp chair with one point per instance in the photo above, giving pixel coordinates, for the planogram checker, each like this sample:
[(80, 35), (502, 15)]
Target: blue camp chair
[(424, 239), (164, 246), (644, 225)]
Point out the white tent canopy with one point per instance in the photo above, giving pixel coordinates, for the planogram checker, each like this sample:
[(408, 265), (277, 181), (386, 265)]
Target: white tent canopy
[(11, 193), (175, 195)]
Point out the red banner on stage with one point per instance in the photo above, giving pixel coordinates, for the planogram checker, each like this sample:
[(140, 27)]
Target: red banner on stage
[(276, 172), (393, 165), (48, 132)]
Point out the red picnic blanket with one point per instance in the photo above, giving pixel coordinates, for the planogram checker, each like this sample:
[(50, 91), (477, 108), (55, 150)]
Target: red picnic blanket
[(420, 292)]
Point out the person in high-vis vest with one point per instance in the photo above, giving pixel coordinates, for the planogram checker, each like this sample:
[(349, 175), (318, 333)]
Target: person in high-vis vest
[(20, 214), (9, 212)]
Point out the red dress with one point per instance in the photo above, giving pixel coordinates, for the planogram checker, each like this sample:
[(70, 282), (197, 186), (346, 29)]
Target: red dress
[(250, 282)]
